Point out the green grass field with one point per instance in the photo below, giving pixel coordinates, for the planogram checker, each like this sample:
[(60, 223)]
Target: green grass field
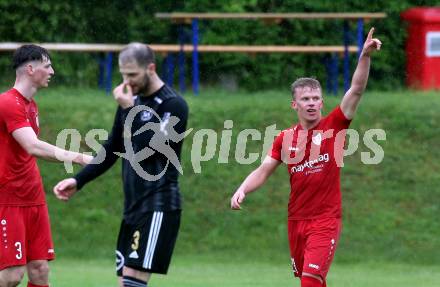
[(203, 271), (391, 234)]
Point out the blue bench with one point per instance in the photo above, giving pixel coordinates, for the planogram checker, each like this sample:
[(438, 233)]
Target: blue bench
[(193, 19)]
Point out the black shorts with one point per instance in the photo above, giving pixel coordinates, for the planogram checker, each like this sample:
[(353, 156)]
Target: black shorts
[(148, 245)]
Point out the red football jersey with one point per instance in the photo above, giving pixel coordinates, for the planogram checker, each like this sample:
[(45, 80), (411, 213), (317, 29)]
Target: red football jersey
[(20, 179), (313, 159)]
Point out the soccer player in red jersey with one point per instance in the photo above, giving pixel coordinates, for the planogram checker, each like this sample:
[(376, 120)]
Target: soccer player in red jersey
[(25, 238), (313, 151)]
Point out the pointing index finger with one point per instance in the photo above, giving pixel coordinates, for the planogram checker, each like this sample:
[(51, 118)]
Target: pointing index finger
[(370, 34)]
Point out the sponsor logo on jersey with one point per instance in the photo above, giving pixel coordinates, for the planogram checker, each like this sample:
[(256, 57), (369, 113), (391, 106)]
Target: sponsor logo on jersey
[(314, 266), (311, 163), (292, 148), (146, 116)]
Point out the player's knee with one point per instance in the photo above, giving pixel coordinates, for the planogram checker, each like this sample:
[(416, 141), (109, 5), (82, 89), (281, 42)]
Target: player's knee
[(130, 272), (38, 271), (12, 278), (310, 281)]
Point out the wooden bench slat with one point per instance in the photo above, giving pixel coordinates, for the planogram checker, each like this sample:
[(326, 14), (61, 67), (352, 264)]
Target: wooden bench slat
[(272, 49), (268, 16), (161, 48)]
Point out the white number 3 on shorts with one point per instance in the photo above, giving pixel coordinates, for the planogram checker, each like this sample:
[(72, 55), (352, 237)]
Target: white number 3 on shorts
[(20, 254)]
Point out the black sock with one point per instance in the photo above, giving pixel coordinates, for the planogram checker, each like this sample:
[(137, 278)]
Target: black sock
[(128, 281)]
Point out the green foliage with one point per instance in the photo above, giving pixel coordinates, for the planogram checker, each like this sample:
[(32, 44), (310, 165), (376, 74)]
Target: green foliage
[(99, 21), (390, 209)]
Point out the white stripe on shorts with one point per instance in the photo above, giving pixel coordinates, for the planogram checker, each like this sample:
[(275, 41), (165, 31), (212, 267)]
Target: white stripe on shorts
[(156, 223)]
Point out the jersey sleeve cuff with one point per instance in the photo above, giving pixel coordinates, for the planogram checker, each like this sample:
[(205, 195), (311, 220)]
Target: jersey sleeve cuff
[(341, 115), (275, 157), (13, 128), (79, 181)]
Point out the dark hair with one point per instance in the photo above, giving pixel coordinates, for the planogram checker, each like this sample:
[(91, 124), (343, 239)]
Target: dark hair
[(305, 82), (141, 53), (27, 53)]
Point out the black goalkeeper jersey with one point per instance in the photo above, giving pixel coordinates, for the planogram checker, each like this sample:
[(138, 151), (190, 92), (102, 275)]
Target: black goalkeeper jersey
[(149, 137)]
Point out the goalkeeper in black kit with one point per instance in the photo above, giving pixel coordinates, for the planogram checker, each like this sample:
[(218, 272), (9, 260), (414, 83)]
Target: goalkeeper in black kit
[(147, 133)]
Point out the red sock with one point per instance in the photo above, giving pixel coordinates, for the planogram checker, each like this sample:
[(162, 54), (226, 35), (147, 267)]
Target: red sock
[(33, 285), (307, 281)]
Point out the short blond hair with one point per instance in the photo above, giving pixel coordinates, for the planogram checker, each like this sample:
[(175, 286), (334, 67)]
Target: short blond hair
[(300, 83)]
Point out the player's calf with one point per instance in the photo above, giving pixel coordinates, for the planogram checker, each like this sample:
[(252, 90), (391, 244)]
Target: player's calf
[(12, 276), (38, 273)]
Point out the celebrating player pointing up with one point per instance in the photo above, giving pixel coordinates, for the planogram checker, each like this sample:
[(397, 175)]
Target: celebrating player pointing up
[(312, 153)]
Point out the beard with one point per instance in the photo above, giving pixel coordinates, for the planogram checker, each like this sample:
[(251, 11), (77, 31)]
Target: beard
[(143, 87)]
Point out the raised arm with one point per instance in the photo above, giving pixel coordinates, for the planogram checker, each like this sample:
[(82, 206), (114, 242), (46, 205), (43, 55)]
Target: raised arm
[(29, 141), (254, 180), (359, 81)]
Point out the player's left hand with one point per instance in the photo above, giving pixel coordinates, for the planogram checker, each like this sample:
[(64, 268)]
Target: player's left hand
[(65, 189), (123, 94), (371, 44)]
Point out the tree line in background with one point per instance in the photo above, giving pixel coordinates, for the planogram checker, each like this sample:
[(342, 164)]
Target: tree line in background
[(93, 21)]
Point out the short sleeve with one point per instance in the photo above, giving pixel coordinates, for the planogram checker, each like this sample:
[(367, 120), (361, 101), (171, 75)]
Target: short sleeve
[(13, 113), (275, 151), (338, 119)]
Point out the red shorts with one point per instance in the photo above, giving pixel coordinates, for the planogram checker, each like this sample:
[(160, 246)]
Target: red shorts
[(25, 235), (313, 244)]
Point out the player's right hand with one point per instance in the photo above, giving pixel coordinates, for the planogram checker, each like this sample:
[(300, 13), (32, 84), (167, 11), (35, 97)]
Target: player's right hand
[(65, 189), (123, 94), (237, 199), (371, 44)]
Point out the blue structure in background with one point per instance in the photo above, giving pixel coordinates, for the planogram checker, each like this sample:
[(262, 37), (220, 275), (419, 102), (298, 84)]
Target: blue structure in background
[(105, 72), (181, 59), (332, 69), (168, 70), (195, 67), (331, 62), (360, 36), (331, 66), (108, 78)]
